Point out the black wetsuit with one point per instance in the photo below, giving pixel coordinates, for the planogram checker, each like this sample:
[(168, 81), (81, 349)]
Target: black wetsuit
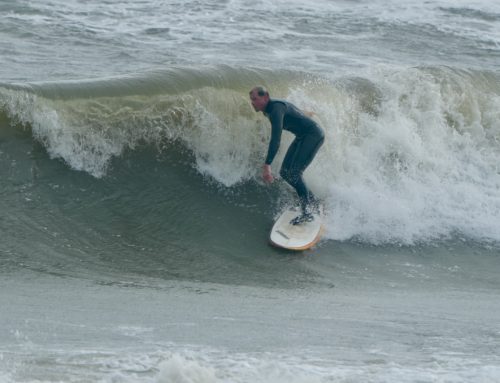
[(308, 139)]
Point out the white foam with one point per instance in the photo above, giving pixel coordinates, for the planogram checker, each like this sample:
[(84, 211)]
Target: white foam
[(424, 166), (213, 367), (222, 135), (178, 369), (209, 366)]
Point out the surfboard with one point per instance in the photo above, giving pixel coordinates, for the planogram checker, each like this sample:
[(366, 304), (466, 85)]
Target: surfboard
[(295, 237)]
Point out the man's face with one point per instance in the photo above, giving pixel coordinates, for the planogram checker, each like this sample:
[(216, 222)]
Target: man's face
[(259, 103)]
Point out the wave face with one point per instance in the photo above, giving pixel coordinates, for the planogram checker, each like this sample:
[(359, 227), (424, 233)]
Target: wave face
[(411, 155)]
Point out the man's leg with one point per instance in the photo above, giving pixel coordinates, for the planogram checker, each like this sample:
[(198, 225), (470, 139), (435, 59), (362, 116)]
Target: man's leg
[(298, 157)]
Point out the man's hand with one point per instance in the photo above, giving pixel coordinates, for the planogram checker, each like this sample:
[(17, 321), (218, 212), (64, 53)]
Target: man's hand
[(267, 174)]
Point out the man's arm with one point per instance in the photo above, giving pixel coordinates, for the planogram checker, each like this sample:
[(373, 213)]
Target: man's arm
[(276, 118)]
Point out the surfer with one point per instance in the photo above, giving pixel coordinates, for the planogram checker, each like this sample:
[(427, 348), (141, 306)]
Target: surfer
[(308, 139)]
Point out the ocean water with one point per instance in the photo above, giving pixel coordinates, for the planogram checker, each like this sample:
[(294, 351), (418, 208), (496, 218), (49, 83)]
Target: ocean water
[(134, 223)]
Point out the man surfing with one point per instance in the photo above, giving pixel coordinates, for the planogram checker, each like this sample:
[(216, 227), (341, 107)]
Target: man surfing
[(308, 139)]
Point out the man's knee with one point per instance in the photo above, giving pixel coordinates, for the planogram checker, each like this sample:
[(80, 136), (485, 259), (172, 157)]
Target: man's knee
[(290, 175)]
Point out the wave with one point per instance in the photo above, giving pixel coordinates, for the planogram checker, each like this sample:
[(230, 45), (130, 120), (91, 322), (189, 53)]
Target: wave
[(411, 154), (87, 123)]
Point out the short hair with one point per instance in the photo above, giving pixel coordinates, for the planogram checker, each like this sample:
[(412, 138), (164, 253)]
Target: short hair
[(261, 91)]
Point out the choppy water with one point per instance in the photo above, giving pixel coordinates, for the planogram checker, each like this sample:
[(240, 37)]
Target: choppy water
[(133, 232)]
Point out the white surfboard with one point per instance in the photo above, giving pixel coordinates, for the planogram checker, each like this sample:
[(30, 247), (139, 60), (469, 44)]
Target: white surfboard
[(296, 237)]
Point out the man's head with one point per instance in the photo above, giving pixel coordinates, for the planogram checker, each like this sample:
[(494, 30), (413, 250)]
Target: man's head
[(259, 97)]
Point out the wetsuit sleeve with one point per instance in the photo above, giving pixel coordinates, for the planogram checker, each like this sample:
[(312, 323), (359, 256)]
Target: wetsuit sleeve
[(276, 118)]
